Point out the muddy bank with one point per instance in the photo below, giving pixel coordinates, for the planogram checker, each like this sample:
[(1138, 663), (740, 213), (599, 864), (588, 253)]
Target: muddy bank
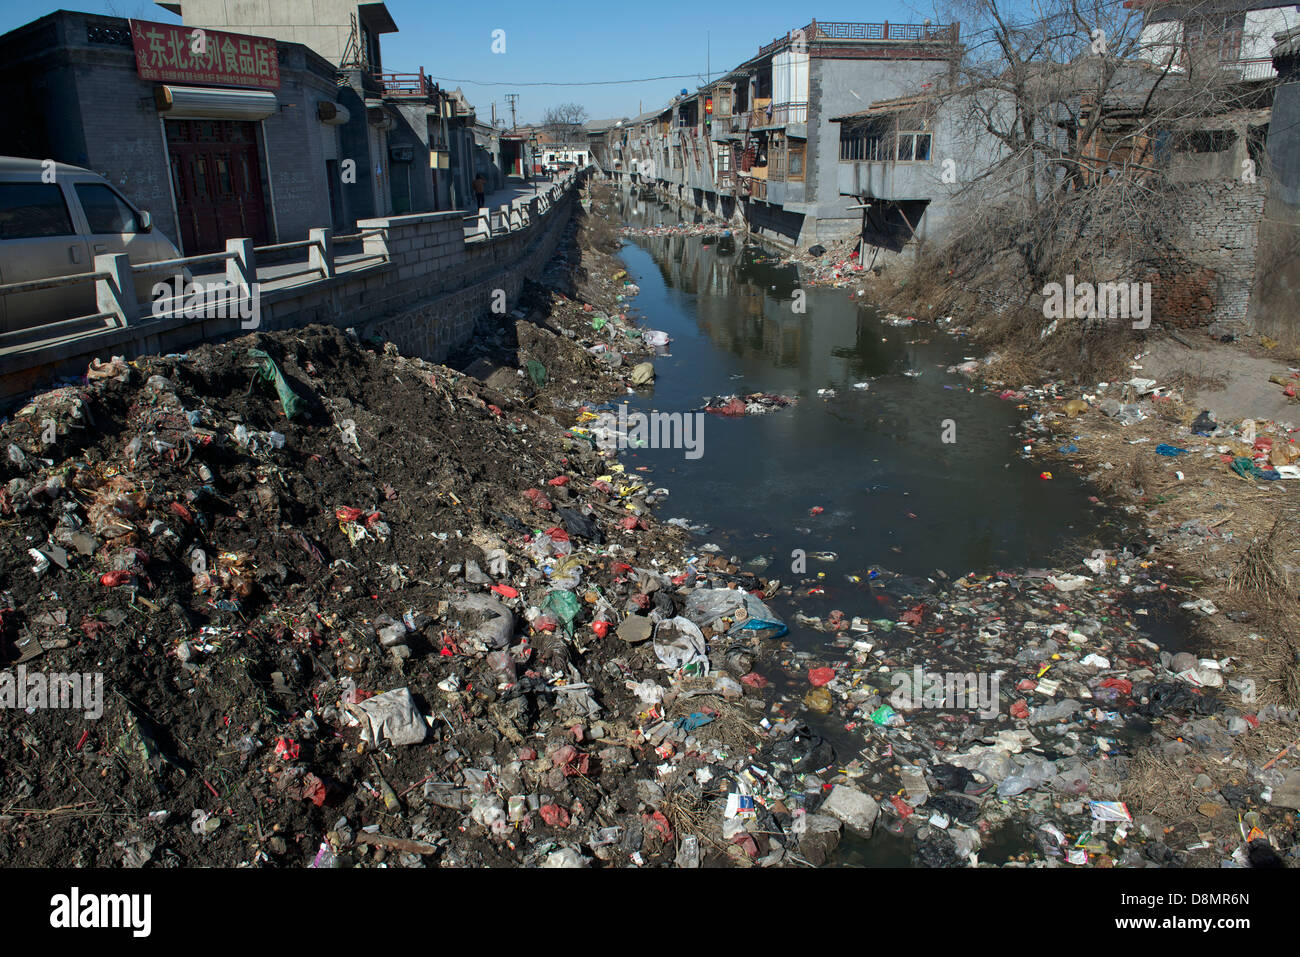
[(350, 608)]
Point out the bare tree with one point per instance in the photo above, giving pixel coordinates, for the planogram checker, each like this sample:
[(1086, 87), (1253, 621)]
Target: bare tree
[(1077, 111), (564, 123)]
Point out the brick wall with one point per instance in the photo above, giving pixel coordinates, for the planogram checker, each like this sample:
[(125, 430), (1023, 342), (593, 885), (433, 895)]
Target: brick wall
[(1219, 231)]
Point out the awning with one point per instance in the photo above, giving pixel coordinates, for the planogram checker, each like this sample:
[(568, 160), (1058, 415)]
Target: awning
[(331, 113), (203, 103)]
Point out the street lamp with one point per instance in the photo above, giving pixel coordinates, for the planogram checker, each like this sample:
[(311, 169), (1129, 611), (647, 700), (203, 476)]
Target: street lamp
[(532, 144)]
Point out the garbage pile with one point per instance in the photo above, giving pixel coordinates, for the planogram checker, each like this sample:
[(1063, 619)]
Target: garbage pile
[(836, 265), (755, 403), (1008, 709), (676, 229), (355, 608)]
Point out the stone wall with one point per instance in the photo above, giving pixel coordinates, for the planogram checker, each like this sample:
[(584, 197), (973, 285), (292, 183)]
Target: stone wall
[(427, 295)]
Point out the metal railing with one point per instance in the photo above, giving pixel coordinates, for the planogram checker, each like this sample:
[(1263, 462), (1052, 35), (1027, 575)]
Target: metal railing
[(795, 112), (1258, 68), (818, 31), (114, 274)]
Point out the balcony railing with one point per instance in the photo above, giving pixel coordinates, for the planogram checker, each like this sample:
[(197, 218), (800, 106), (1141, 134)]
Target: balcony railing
[(790, 113), (1260, 68), (819, 31), (406, 85)]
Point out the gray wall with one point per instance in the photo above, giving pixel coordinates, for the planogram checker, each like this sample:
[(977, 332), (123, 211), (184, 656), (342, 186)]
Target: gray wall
[(1277, 280), (835, 88), (82, 103)]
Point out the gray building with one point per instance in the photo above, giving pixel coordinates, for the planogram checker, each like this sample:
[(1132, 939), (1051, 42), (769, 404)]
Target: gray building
[(761, 142), (213, 152)]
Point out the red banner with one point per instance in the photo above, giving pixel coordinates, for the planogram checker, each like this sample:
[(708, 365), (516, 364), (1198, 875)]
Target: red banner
[(179, 54)]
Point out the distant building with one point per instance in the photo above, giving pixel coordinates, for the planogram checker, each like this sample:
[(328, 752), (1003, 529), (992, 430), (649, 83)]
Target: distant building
[(759, 143), (1231, 35)]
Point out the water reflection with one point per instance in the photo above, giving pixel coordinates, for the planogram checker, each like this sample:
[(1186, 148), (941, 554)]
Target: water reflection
[(894, 494)]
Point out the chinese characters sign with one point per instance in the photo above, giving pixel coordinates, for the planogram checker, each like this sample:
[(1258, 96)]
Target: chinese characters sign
[(174, 54)]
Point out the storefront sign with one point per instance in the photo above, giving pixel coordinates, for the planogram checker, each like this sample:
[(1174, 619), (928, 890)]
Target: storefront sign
[(171, 53)]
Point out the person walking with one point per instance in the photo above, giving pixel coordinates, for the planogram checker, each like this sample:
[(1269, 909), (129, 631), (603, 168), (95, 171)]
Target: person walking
[(480, 186)]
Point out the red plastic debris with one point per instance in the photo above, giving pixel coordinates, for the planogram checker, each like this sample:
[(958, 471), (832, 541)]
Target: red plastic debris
[(733, 408), (505, 591), (1020, 709), (1122, 685), (913, 616), (754, 680), (559, 480), (184, 513), (816, 510), (554, 815), (821, 676), (346, 513), (571, 760), (557, 534), (902, 807), (538, 499), (314, 789), (601, 628), (659, 825), (745, 841), (288, 749), (113, 579)]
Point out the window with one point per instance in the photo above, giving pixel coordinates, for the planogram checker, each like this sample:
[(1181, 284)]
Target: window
[(722, 104), (30, 210), (106, 212), (777, 157), (796, 163), (914, 147), (724, 158), (851, 144)]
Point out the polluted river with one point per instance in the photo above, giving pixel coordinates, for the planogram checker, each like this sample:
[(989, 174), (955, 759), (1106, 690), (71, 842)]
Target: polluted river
[(877, 476)]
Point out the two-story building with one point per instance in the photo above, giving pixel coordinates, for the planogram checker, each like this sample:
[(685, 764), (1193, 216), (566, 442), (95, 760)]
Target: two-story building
[(760, 143)]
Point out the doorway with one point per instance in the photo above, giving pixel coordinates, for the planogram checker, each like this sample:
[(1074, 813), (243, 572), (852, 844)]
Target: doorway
[(218, 181)]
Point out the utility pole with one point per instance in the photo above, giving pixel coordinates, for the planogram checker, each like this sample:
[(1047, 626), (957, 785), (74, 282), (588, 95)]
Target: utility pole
[(494, 114), (512, 98)]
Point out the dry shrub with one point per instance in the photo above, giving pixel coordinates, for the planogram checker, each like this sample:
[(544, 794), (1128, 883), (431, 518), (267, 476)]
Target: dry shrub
[(1257, 572), (1162, 787)]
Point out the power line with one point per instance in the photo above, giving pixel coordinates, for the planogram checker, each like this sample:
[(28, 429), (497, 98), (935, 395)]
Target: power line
[(647, 79)]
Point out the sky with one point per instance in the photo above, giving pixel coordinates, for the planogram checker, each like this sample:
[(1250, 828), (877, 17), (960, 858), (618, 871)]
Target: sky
[(578, 41)]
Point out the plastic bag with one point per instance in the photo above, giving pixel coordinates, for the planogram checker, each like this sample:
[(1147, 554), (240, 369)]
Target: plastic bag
[(679, 644)]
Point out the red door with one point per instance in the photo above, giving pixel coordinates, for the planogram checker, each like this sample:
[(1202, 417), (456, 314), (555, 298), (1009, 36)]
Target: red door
[(218, 183)]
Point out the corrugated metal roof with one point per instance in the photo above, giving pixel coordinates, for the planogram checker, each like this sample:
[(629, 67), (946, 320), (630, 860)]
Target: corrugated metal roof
[(882, 107)]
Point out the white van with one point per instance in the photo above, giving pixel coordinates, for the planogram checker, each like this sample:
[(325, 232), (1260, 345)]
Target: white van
[(57, 229)]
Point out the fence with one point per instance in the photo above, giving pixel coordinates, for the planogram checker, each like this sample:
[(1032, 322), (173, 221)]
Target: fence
[(114, 275)]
